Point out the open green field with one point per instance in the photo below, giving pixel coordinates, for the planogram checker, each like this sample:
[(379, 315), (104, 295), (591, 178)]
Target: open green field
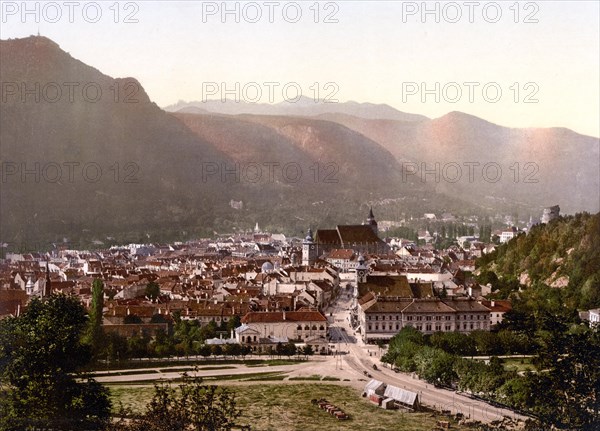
[(287, 407), (518, 364)]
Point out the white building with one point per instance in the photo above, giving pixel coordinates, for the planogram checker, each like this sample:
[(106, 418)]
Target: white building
[(508, 234), (260, 330), (594, 317)]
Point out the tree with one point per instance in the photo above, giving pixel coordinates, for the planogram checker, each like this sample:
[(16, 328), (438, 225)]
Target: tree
[(289, 349), (114, 346), (190, 406), (204, 350), (208, 331), (435, 366), (233, 323), (41, 355), (568, 392), (280, 349), (216, 350), (308, 350), (232, 349), (94, 334), (152, 291), (137, 347)]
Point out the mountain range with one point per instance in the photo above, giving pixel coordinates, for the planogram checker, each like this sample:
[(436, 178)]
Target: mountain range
[(86, 156)]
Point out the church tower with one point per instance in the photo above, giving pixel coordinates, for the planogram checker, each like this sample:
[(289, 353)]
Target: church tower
[(361, 270), (371, 221), (309, 249)]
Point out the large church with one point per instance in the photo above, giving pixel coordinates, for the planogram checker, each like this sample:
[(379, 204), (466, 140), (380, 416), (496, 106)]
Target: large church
[(362, 238)]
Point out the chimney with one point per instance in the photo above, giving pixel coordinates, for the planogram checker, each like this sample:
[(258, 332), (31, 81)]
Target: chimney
[(493, 303), (283, 314)]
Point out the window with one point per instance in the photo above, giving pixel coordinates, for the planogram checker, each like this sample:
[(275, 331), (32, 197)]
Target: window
[(438, 327), (427, 317), (471, 326), (447, 317), (447, 327), (369, 327), (458, 317), (368, 317), (438, 317), (377, 327), (321, 328), (465, 326), (397, 327), (299, 328), (376, 317), (408, 317), (397, 317), (428, 327)]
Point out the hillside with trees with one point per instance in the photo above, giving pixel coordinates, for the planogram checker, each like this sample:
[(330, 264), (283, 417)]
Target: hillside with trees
[(555, 267)]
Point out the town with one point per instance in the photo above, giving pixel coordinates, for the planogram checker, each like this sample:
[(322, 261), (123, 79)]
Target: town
[(341, 296), (258, 277)]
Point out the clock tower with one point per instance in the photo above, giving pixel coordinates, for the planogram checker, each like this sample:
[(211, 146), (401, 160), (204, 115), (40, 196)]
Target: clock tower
[(309, 249), (361, 270)]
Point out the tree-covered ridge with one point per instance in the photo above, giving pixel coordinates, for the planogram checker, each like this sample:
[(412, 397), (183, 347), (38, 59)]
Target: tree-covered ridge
[(563, 255)]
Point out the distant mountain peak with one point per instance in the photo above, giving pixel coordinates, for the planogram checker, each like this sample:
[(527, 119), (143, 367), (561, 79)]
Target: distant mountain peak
[(303, 107)]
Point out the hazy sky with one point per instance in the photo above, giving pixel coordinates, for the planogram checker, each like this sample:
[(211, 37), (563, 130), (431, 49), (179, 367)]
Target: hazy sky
[(380, 52)]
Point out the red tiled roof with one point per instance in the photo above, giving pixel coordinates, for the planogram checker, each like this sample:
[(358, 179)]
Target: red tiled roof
[(342, 253)]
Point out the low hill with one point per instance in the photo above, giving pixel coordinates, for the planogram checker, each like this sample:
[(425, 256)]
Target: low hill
[(558, 262)]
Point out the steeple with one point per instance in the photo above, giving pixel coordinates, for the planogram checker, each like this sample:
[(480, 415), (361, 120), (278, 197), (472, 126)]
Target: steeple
[(371, 220), (309, 236)]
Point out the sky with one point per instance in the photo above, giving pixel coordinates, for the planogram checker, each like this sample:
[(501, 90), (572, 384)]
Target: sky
[(517, 64)]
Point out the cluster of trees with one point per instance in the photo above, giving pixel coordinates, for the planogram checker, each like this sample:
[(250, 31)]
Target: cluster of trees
[(41, 357), (503, 342), (403, 232), (42, 385), (447, 232), (191, 405), (438, 358), (564, 391)]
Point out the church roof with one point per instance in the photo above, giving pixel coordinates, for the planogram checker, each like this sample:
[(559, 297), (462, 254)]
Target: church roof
[(327, 236), (350, 234)]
